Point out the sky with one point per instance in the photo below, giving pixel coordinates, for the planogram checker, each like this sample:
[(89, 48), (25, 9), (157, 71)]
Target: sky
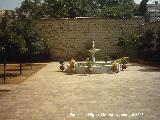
[(12, 4)]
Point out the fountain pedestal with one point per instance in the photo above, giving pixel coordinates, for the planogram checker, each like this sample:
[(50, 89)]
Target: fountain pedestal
[(93, 51)]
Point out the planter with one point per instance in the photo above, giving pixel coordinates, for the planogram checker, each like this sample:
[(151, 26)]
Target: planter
[(115, 67), (124, 66), (62, 67)]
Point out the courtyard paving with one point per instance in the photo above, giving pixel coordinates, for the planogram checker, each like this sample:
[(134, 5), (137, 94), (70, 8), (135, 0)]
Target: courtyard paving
[(49, 94)]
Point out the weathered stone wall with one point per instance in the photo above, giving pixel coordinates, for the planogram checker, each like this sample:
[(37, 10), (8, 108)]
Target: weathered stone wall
[(72, 36), (152, 25)]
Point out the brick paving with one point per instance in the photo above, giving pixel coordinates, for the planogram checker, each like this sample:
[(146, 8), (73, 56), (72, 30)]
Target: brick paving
[(133, 94)]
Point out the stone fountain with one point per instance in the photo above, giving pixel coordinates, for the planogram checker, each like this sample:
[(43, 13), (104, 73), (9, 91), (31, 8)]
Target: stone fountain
[(97, 67)]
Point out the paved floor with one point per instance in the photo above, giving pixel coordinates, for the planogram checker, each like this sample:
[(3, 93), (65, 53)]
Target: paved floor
[(54, 95)]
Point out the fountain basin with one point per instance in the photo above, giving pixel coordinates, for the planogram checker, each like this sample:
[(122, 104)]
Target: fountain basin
[(97, 68), (93, 51)]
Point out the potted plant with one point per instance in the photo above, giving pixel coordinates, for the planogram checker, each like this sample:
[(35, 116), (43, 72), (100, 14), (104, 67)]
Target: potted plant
[(115, 67), (71, 66), (89, 66), (123, 62), (72, 63), (61, 61)]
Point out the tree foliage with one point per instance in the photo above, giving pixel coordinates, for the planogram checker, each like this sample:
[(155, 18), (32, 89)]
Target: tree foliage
[(4, 36), (4, 24), (34, 43), (119, 9), (11, 43), (17, 45), (20, 40), (76, 8), (146, 45), (142, 10), (32, 8)]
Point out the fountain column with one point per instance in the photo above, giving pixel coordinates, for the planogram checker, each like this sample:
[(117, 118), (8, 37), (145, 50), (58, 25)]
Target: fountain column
[(93, 58), (93, 51), (93, 47)]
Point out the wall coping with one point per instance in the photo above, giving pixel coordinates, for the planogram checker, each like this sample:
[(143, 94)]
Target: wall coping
[(79, 18), (150, 23)]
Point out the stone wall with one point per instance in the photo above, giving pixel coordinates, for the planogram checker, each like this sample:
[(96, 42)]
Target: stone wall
[(72, 36), (152, 25)]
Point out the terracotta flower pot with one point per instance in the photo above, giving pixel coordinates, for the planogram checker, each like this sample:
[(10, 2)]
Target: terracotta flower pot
[(124, 66), (62, 68), (115, 68)]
